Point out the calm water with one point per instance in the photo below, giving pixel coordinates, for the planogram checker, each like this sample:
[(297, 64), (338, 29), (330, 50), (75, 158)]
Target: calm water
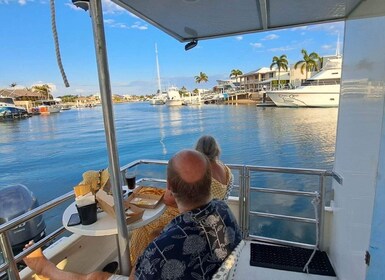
[(48, 154)]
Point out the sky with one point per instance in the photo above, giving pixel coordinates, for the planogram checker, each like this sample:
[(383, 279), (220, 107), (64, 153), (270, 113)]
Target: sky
[(27, 51)]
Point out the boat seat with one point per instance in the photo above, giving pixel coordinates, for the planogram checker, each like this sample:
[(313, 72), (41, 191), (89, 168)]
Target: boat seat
[(227, 270)]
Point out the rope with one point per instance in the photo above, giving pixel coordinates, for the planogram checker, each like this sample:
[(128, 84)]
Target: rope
[(315, 203), (56, 40)]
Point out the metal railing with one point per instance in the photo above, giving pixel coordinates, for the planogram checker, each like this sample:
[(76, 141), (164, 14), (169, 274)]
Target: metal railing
[(244, 187)]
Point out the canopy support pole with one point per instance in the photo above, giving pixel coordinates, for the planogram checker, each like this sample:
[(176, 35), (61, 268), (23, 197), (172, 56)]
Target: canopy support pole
[(113, 157)]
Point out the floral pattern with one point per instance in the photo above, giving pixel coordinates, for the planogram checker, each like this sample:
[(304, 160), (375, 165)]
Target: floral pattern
[(192, 246)]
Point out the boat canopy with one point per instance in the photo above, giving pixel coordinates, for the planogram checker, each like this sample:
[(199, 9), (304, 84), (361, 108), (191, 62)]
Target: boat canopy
[(218, 18)]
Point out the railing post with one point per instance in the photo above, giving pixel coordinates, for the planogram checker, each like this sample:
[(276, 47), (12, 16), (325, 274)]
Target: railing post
[(321, 212), (9, 258), (244, 192)]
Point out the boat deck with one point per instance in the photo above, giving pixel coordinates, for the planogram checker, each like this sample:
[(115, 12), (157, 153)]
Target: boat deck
[(245, 271)]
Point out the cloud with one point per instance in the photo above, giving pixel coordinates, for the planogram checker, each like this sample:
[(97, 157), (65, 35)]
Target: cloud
[(299, 28), (256, 45), (270, 37), (72, 6), (282, 49), (40, 83), (239, 38), (327, 47), (111, 8), (20, 2), (334, 28), (137, 25)]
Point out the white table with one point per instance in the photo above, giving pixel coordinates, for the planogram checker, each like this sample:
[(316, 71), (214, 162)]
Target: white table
[(106, 225)]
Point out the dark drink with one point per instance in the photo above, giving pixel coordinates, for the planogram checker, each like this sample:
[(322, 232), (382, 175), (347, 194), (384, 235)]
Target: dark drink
[(130, 179)]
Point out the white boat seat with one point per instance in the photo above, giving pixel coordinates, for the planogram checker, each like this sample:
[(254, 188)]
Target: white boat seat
[(229, 265)]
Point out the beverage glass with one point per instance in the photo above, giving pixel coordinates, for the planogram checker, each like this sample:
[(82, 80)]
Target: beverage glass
[(130, 177), (87, 213)]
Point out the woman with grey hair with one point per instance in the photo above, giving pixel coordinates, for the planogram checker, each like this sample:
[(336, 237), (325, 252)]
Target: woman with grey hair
[(222, 179)]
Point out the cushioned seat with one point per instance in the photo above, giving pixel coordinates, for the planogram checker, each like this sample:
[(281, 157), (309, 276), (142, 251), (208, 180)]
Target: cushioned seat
[(229, 266)]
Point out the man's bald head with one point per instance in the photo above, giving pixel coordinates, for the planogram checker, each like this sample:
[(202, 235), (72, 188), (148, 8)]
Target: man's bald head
[(189, 178)]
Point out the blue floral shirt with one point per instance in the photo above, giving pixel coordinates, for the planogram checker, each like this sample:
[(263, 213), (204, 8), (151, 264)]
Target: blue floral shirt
[(192, 246)]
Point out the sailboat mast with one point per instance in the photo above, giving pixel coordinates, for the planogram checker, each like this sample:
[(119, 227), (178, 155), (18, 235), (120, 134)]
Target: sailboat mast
[(157, 70)]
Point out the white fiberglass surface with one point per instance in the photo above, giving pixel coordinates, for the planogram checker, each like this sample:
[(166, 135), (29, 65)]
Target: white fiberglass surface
[(359, 138)]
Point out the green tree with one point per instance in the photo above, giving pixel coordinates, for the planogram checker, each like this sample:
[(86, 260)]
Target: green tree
[(281, 63), (308, 63), (44, 90), (202, 77), (235, 73)]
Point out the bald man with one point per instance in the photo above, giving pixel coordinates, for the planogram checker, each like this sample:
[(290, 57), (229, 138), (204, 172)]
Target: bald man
[(195, 243), (192, 246)]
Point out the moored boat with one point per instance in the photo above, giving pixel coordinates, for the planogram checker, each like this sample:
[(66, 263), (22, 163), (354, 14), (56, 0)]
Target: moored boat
[(321, 90), (351, 230), (48, 106), (8, 109), (173, 97)]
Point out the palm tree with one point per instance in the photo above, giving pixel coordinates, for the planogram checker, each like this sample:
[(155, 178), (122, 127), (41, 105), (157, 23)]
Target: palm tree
[(202, 77), (281, 63), (13, 85), (235, 73), (309, 62), (44, 90)]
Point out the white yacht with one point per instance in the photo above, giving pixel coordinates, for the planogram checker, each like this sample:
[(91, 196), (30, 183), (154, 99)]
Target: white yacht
[(350, 231), (173, 97), (321, 90)]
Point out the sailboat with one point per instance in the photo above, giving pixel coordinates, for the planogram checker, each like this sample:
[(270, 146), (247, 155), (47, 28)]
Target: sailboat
[(157, 99)]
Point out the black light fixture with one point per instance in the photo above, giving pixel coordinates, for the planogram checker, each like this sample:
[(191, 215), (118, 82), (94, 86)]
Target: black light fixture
[(84, 4), (191, 45)]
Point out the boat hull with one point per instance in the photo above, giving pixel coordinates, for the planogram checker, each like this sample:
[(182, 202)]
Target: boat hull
[(174, 102), (311, 97), (156, 102)]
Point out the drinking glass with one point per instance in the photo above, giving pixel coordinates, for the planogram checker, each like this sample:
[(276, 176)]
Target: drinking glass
[(130, 176)]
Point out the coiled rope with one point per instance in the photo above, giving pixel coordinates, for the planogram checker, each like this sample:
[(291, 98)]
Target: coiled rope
[(315, 202), (56, 40)]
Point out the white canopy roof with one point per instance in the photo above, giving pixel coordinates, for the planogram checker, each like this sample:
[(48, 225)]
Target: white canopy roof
[(217, 18)]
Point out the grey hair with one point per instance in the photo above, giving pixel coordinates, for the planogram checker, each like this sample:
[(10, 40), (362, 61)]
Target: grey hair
[(208, 146)]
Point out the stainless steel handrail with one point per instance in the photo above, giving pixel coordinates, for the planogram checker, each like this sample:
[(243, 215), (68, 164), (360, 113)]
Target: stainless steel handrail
[(245, 189), (10, 261)]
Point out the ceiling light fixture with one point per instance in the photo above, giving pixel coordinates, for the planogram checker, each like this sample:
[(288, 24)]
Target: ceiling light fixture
[(191, 45)]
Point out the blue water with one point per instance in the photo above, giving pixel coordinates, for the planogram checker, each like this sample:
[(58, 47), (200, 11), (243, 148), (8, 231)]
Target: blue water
[(48, 154)]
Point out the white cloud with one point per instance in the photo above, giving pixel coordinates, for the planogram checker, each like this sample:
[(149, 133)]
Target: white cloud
[(239, 38), (282, 49), (111, 8), (299, 28), (78, 90), (139, 25), (40, 83), (20, 2), (109, 21), (256, 45), (327, 47), (72, 6), (271, 37)]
